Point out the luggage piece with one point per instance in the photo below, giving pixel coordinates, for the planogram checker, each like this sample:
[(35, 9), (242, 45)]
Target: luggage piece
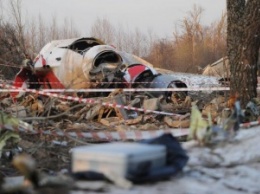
[(122, 159)]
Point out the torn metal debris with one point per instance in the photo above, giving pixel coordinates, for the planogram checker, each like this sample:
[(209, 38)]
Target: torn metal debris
[(90, 63)]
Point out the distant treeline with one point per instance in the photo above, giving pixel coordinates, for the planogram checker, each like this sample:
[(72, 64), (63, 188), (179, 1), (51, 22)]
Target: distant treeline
[(191, 47)]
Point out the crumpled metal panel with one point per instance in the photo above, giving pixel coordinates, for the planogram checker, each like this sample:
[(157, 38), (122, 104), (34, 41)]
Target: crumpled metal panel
[(196, 80), (70, 71), (130, 59), (164, 81), (90, 64), (183, 80)]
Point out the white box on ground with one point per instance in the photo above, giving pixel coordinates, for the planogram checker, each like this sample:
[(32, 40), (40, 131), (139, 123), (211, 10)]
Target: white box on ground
[(117, 158)]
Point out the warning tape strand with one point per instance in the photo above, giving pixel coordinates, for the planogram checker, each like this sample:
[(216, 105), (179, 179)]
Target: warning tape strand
[(127, 135), (121, 89), (98, 136), (90, 101), (109, 135), (103, 82)]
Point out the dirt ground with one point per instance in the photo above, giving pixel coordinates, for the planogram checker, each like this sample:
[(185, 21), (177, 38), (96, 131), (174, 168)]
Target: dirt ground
[(231, 168)]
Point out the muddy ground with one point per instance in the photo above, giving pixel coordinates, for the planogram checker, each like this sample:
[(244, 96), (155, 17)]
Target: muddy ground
[(231, 168)]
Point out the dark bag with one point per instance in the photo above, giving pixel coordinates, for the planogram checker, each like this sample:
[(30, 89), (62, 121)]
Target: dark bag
[(176, 159)]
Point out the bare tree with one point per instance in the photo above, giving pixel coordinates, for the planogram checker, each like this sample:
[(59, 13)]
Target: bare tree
[(10, 52), (103, 30), (1, 11), (69, 30), (123, 38), (188, 41), (42, 32), (221, 33), (193, 45), (31, 38), (16, 14), (243, 42), (193, 30), (161, 54), (54, 29), (13, 44)]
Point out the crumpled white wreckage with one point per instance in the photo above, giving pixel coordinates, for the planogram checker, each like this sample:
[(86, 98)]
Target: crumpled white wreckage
[(89, 63)]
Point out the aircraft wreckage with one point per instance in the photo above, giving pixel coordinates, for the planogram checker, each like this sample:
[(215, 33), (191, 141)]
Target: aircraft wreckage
[(84, 63)]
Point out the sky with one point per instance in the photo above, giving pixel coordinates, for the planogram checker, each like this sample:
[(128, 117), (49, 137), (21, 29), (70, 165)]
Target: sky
[(158, 16)]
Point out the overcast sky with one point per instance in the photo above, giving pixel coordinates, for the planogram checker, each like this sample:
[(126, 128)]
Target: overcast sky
[(158, 16)]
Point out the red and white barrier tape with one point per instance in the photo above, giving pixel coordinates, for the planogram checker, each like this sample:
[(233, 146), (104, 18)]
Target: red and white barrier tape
[(116, 135), (91, 101), (249, 124), (109, 135), (98, 136), (132, 135), (103, 82), (197, 89), (122, 89)]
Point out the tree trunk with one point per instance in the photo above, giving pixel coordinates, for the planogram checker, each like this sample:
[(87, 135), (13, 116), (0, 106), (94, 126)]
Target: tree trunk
[(243, 41)]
